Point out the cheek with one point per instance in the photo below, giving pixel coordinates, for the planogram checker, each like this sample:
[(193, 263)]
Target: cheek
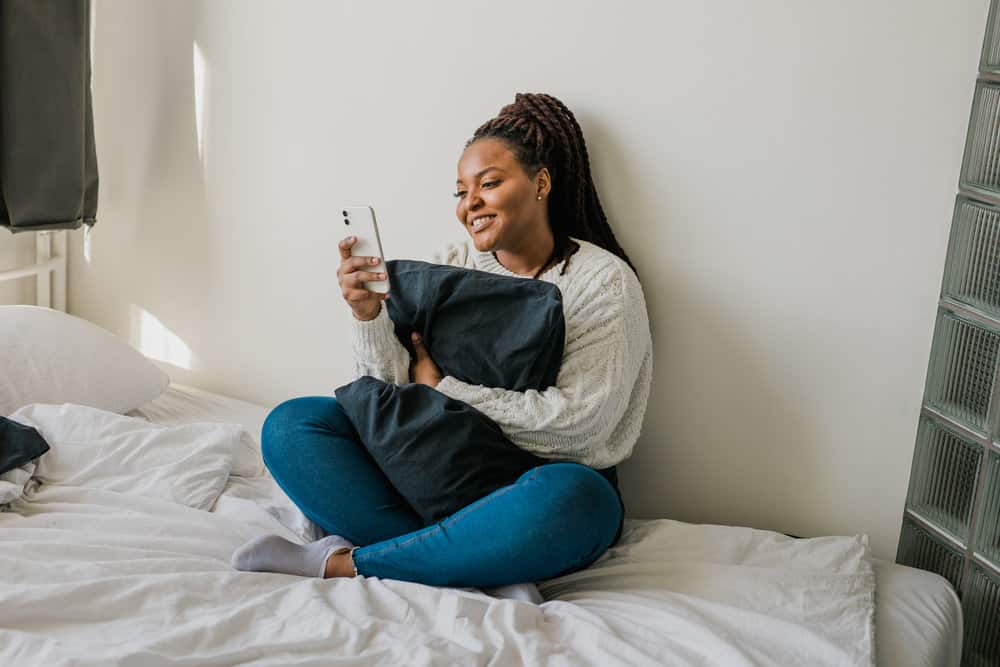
[(501, 199)]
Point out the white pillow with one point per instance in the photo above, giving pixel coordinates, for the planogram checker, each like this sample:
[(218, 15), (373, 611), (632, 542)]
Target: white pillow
[(47, 356)]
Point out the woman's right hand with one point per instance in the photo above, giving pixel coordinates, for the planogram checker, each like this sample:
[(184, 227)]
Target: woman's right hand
[(352, 275)]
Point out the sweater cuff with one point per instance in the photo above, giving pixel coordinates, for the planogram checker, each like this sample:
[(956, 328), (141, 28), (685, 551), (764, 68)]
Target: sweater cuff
[(451, 387), (373, 335)]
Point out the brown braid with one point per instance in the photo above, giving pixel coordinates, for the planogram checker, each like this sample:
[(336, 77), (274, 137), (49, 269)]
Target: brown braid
[(542, 132)]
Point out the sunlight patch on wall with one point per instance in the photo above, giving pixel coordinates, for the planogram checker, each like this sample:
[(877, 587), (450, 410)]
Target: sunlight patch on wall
[(148, 335), (198, 59), (86, 242)]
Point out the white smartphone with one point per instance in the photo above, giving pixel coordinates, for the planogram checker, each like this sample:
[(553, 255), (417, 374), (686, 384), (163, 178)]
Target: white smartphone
[(359, 221)]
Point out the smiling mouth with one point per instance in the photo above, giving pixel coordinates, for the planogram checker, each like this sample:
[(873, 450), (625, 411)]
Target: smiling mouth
[(482, 222)]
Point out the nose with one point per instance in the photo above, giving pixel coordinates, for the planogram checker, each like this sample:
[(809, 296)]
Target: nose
[(473, 200)]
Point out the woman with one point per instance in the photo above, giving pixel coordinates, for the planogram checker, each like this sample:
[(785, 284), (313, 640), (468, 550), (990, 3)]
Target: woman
[(527, 200)]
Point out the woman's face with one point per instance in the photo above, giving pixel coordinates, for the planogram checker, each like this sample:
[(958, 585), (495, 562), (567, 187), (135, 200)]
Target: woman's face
[(497, 200)]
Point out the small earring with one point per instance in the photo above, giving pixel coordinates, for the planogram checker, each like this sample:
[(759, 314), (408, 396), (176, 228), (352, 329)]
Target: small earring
[(539, 197)]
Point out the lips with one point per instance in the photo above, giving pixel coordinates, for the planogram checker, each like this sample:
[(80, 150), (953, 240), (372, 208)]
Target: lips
[(481, 222)]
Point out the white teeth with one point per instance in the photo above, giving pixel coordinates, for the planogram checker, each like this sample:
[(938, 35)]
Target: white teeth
[(477, 223)]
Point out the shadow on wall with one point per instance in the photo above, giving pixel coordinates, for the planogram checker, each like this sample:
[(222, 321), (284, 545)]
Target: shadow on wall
[(717, 416), (155, 240), (718, 413)]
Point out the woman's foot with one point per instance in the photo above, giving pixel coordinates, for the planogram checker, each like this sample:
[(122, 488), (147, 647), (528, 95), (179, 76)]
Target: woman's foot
[(272, 553)]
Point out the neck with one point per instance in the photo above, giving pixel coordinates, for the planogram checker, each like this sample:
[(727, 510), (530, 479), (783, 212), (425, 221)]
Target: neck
[(530, 256)]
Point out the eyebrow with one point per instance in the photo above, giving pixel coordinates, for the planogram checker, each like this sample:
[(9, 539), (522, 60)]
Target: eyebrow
[(480, 173)]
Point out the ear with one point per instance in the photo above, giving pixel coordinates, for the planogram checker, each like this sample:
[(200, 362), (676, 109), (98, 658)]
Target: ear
[(543, 182)]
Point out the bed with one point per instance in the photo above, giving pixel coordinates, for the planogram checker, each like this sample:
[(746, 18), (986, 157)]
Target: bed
[(918, 618), (90, 578), (115, 547)]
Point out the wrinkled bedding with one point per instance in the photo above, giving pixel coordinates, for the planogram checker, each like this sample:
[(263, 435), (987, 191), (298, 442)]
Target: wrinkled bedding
[(117, 553)]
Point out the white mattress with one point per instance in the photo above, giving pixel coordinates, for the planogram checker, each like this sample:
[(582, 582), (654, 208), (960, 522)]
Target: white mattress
[(918, 619), (115, 551)]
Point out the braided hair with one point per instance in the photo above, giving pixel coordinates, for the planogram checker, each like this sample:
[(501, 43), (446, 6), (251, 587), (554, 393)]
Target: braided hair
[(542, 132)]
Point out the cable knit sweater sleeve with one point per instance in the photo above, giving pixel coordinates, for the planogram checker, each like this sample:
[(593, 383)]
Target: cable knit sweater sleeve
[(377, 351), (594, 412)]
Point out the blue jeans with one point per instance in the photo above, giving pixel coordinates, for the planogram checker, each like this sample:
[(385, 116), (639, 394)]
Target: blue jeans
[(555, 519)]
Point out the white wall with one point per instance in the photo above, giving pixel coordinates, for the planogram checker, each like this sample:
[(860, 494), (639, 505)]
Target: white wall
[(781, 172)]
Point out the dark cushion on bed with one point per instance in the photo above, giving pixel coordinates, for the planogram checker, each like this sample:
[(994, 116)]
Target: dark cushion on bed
[(499, 331), (19, 444)]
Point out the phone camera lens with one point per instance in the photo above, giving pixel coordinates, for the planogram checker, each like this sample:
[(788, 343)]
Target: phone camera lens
[(345, 213), (346, 221)]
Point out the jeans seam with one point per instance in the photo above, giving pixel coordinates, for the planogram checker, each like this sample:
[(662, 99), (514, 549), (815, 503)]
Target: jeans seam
[(452, 519)]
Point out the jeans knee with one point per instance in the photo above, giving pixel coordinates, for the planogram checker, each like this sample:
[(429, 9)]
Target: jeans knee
[(298, 420), (587, 504), (278, 426)]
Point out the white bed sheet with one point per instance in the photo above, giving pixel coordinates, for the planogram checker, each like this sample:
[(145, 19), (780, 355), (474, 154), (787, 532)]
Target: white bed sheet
[(918, 617), (89, 575)]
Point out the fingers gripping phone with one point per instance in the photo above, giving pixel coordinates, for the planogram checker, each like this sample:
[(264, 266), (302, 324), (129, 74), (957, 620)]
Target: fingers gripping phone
[(359, 221)]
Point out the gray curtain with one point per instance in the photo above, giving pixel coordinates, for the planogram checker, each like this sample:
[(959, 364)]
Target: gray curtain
[(48, 166)]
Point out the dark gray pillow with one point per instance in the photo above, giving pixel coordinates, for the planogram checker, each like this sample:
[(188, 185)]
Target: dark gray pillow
[(439, 453), (479, 327), (498, 331), (19, 444)]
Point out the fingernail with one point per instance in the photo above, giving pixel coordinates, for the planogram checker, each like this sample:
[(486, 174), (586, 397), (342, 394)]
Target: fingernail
[(354, 238), (373, 260), (382, 276)]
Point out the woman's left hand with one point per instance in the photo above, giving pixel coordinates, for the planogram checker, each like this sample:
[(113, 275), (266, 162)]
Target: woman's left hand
[(423, 370)]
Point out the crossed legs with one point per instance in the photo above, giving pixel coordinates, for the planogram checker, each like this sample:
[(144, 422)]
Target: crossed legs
[(554, 519)]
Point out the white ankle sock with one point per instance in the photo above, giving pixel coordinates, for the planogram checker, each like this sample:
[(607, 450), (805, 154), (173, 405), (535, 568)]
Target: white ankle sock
[(272, 553), (526, 592)]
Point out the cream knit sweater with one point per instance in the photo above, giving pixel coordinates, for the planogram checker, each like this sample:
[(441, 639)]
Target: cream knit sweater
[(592, 415)]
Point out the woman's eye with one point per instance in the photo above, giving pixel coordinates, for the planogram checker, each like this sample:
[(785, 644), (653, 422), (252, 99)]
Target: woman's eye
[(490, 184), (459, 194)]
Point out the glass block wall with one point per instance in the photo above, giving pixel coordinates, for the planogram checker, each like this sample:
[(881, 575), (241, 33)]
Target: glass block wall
[(951, 521)]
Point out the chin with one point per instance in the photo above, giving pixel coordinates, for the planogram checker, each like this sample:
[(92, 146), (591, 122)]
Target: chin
[(483, 242), (482, 245)]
